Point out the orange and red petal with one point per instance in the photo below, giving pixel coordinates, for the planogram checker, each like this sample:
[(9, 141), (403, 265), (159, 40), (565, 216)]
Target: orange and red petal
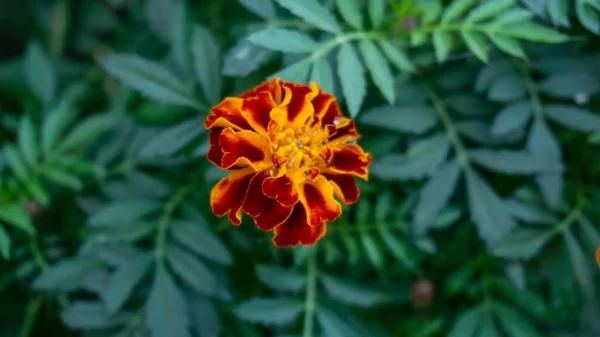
[(317, 198), (598, 256), (345, 132), (300, 108), (215, 153), (257, 111), (344, 187), (227, 196), (281, 189), (295, 230), (267, 212), (351, 159), (330, 114), (227, 114), (271, 86), (322, 104), (244, 148)]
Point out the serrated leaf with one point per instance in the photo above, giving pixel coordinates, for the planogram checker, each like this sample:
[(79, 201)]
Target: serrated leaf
[(531, 302), (352, 293), (372, 250), (297, 72), (150, 78), (379, 69), (166, 307), (91, 316), (194, 272), (435, 195), (558, 10), (529, 213), (442, 45), (198, 238), (62, 178), (333, 325), (173, 139), (351, 12), (123, 212), (523, 243), (590, 233), (567, 85), (487, 209), (456, 9), (508, 45), (514, 323), (263, 8), (207, 63), (40, 73), (508, 161), (448, 217), (55, 125), (124, 280), (488, 328), (88, 131), (5, 243), (376, 10), (28, 142), (512, 16), (270, 311), (280, 278), (416, 119), (469, 104), (245, 57), (535, 33), (467, 323), (397, 56), (479, 132), (512, 117), (588, 17), (16, 162), (476, 43), (61, 275), (180, 36), (573, 117), (488, 10), (579, 263), (312, 12), (490, 73), (284, 40), (205, 317), (397, 248), (352, 78), (322, 74), (546, 148), (14, 214), (509, 87)]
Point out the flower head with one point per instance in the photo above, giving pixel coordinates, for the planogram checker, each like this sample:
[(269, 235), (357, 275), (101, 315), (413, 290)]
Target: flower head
[(291, 153)]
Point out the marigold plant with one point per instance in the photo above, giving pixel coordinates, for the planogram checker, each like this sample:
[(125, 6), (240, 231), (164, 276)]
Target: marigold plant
[(291, 153)]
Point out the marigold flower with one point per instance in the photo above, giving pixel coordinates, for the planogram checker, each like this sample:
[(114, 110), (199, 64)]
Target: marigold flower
[(291, 153), (598, 256)]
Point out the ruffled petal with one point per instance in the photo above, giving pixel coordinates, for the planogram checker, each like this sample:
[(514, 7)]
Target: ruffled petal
[(322, 104), (344, 187), (215, 153), (271, 86), (351, 159), (281, 189), (227, 196), (267, 212), (295, 230), (319, 203), (245, 148), (300, 108), (345, 131), (257, 111), (329, 114), (228, 114), (598, 256)]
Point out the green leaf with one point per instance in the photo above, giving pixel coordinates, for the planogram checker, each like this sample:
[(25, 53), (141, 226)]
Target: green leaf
[(448, 217), (558, 10), (180, 36), (205, 317), (416, 119), (270, 311), (376, 10), (379, 69), (588, 17), (14, 214), (312, 12), (124, 280), (514, 323), (62, 178), (488, 328), (297, 72), (529, 301), (508, 161), (173, 139), (280, 279), (40, 73), (488, 10), (61, 275), (589, 232), (568, 85), (397, 56), (207, 63), (198, 238), (373, 250), (397, 248), (55, 125), (352, 78), (467, 323), (263, 8), (442, 45), (487, 209), (455, 10), (333, 325), (352, 293), (509, 87), (91, 316), (123, 212), (27, 141), (546, 148), (513, 16), (322, 74), (166, 313), (435, 195), (245, 57), (512, 117), (479, 132), (529, 213), (469, 104), (508, 45), (88, 131), (284, 40), (573, 117), (194, 272), (351, 12), (535, 33), (5, 243), (523, 243), (16, 162), (149, 78), (580, 263), (476, 44)]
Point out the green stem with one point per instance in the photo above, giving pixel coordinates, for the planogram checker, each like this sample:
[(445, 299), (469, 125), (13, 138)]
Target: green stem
[(310, 303), (341, 39), (165, 220), (35, 304), (572, 217), (60, 20), (532, 89), (36, 252)]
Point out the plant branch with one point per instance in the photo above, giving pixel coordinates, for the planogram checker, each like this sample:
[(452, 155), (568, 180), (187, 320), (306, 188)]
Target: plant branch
[(310, 304), (165, 220), (532, 89)]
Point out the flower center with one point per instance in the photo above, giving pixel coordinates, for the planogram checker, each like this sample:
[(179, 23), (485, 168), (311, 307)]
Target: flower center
[(298, 147)]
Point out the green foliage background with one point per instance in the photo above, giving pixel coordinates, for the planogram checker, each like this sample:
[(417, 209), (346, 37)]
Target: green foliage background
[(481, 117)]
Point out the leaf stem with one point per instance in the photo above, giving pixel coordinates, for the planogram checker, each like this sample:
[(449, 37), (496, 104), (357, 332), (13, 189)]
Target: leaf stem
[(165, 220), (534, 95), (572, 217), (36, 252), (35, 304), (310, 304)]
